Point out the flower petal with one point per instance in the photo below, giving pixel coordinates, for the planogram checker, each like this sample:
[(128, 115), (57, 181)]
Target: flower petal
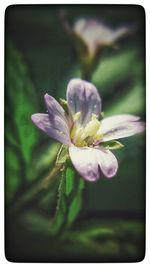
[(120, 32), (55, 127), (85, 162), (107, 162), (89, 161), (107, 36), (96, 34), (53, 106), (120, 126), (83, 97), (80, 26)]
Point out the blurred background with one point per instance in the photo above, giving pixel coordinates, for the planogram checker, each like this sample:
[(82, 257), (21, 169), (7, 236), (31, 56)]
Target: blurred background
[(39, 59)]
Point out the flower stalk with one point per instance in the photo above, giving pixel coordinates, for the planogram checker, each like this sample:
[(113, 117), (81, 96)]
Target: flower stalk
[(69, 201)]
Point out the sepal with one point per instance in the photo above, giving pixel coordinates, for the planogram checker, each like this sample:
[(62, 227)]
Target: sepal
[(112, 145)]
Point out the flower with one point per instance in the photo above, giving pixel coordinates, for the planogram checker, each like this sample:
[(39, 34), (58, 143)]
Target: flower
[(90, 36), (82, 131), (95, 34)]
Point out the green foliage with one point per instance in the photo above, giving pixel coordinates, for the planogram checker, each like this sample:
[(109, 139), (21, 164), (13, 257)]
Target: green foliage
[(69, 181), (29, 155), (119, 78), (105, 239), (44, 158), (133, 102), (76, 204), (20, 134), (12, 181), (21, 102), (69, 200), (114, 69), (35, 222)]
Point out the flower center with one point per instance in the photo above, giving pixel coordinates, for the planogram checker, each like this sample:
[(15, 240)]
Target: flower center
[(88, 135)]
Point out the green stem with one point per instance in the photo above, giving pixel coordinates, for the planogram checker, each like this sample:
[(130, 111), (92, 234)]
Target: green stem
[(69, 201), (89, 64)]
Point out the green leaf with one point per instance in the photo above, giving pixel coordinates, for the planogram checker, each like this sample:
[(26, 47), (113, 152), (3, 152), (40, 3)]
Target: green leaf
[(61, 208), (114, 69), (112, 145), (45, 158), (35, 222), (121, 85), (20, 102), (20, 133), (12, 173), (132, 102), (69, 180)]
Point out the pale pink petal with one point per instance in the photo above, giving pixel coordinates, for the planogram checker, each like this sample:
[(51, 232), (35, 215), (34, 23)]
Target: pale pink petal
[(55, 127), (85, 162), (107, 161), (83, 97), (120, 126)]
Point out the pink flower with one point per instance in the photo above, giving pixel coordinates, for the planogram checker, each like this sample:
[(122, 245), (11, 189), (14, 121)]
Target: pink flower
[(90, 37), (95, 34), (83, 133)]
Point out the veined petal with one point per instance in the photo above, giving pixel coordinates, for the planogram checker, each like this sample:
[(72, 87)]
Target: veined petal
[(120, 126), (110, 122), (85, 162), (107, 161), (56, 111), (83, 97), (55, 128), (89, 162), (53, 106)]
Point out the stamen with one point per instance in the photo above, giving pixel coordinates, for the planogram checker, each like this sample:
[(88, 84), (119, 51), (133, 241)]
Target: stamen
[(94, 116), (75, 129), (91, 128), (88, 135), (76, 116)]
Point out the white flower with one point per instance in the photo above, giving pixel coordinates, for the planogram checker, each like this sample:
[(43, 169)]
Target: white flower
[(96, 34), (82, 131)]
